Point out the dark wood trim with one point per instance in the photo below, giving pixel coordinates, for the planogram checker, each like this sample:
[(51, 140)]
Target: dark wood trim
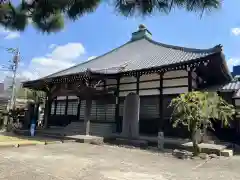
[(117, 107), (158, 88), (161, 120), (144, 81), (66, 106), (190, 78), (172, 78), (55, 106), (105, 109), (78, 110), (170, 95), (152, 80), (178, 86), (138, 78)]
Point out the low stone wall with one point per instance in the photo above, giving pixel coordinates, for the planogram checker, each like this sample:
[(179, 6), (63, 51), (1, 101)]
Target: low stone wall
[(96, 129)]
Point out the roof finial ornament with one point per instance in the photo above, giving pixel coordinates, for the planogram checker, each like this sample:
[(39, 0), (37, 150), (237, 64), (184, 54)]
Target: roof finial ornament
[(142, 27)]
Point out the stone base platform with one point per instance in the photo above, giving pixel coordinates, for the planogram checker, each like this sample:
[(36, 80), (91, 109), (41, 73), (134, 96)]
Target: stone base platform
[(130, 142), (86, 139)]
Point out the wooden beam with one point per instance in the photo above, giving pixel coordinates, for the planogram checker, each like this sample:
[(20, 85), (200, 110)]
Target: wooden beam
[(66, 106), (118, 127), (55, 106), (79, 107), (161, 115), (190, 81), (138, 79)]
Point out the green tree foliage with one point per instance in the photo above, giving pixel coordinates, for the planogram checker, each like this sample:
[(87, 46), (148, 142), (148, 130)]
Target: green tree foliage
[(197, 110), (36, 96), (49, 15)]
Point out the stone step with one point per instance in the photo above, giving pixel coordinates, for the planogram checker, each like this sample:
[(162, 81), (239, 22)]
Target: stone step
[(227, 153)]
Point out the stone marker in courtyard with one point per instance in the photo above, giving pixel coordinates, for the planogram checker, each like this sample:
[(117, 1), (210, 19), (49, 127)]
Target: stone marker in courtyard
[(87, 116), (131, 116)]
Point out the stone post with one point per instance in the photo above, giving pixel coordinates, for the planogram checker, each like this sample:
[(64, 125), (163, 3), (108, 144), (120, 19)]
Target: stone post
[(87, 116), (160, 140), (131, 116)]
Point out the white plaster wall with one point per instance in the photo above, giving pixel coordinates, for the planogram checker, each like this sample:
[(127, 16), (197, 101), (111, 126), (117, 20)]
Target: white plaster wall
[(149, 77), (175, 82), (128, 86), (156, 84), (149, 92), (72, 97), (178, 90), (237, 102), (61, 97), (128, 79), (152, 84), (125, 93), (171, 74)]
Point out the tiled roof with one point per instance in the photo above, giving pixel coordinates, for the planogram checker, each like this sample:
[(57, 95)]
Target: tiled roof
[(232, 86), (139, 54), (237, 94)]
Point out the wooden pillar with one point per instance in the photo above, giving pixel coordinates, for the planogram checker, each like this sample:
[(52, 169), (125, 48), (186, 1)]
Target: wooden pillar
[(66, 106), (55, 106), (138, 79), (190, 81), (87, 116), (118, 125), (161, 115), (105, 104), (78, 110)]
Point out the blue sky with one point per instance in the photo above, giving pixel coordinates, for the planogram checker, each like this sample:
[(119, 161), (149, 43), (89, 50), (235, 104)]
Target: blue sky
[(99, 32)]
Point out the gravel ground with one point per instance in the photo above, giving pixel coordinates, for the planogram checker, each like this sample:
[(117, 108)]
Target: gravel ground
[(70, 161)]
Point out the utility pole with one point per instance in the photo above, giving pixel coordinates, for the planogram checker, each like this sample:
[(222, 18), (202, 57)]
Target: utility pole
[(14, 68)]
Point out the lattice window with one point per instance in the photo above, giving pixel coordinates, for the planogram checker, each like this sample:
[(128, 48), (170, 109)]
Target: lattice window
[(52, 108), (60, 110), (72, 108), (149, 107)]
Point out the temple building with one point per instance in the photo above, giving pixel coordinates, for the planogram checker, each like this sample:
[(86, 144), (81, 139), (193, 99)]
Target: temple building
[(89, 97)]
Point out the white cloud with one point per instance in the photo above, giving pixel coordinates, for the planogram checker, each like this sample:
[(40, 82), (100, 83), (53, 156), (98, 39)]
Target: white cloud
[(9, 34), (233, 62), (51, 46), (235, 31), (12, 35), (61, 57), (67, 51)]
